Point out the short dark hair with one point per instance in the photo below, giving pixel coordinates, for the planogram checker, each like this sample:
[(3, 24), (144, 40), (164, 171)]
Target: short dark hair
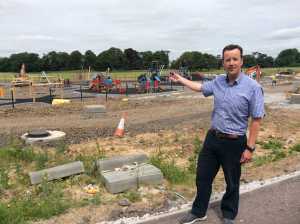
[(232, 47)]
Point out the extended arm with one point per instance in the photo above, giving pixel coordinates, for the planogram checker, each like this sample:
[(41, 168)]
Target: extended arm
[(175, 77)]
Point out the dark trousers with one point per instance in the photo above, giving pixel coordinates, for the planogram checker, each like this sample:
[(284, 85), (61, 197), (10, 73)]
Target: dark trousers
[(218, 152)]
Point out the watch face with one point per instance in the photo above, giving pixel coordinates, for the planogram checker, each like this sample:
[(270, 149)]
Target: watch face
[(250, 148)]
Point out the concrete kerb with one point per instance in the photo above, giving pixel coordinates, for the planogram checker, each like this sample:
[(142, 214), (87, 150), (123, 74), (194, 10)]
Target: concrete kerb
[(57, 172), (245, 188)]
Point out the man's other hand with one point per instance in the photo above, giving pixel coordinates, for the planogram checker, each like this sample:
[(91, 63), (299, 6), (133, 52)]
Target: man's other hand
[(246, 157)]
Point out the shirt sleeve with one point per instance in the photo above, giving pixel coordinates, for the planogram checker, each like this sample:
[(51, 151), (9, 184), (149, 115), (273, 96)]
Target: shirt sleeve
[(207, 88), (257, 109)]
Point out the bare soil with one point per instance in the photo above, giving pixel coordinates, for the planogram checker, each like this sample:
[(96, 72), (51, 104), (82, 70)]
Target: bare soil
[(169, 122)]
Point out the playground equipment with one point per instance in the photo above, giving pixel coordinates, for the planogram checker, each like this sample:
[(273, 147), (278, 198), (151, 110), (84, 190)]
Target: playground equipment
[(156, 70), (152, 78), (254, 72), (100, 82), (184, 71), (38, 84), (21, 79)]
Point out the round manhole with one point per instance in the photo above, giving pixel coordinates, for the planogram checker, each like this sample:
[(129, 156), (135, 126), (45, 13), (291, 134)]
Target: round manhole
[(38, 133)]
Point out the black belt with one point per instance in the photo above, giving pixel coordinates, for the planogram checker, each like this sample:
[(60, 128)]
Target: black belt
[(223, 135)]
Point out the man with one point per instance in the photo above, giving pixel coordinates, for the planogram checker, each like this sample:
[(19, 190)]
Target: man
[(236, 97), (274, 79)]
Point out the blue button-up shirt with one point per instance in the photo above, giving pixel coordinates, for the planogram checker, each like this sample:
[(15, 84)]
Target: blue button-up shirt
[(234, 104)]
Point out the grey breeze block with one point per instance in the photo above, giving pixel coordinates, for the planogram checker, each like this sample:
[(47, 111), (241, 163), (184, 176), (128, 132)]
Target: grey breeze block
[(295, 98), (95, 109), (120, 161), (57, 172), (120, 181)]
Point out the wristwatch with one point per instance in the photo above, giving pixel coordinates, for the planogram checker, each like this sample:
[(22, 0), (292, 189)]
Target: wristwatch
[(251, 149)]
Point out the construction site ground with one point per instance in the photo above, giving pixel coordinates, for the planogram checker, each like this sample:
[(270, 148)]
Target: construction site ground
[(168, 122)]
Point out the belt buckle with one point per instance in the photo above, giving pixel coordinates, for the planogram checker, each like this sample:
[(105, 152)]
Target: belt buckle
[(219, 134)]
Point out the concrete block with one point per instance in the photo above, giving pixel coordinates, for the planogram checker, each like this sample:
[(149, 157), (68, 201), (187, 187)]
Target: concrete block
[(120, 181), (95, 109), (120, 161), (57, 172), (295, 98)]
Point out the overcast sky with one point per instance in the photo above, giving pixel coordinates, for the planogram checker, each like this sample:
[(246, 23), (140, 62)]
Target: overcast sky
[(41, 26)]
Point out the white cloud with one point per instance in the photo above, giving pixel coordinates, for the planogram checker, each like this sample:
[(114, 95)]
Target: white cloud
[(35, 37), (285, 34), (176, 25)]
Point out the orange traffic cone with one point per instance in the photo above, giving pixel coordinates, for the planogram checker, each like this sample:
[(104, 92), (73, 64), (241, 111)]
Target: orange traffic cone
[(120, 129)]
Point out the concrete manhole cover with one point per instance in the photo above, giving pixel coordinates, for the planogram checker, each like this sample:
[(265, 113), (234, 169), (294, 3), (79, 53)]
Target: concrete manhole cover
[(42, 136)]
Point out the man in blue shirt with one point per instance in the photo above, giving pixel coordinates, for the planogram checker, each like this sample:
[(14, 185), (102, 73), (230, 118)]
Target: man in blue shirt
[(236, 98)]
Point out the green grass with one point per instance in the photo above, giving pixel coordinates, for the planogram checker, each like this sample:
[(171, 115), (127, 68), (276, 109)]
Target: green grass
[(132, 196), (12, 153), (28, 203), (46, 201), (173, 173), (123, 75), (272, 144), (295, 148), (194, 157), (3, 179), (275, 153), (265, 71), (126, 75)]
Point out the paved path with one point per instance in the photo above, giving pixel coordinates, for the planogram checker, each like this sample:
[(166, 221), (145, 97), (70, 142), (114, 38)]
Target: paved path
[(275, 204)]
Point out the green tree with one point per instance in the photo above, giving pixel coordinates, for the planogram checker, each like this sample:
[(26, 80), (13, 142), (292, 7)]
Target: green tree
[(4, 64), (63, 60), (162, 57), (76, 60), (288, 57), (133, 59), (196, 60), (89, 59), (263, 60), (147, 58), (249, 60), (113, 58), (50, 61), (31, 60)]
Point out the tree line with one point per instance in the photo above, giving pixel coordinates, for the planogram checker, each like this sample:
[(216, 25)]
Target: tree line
[(130, 59)]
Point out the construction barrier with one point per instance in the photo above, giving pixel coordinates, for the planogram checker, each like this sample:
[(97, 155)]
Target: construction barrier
[(60, 101), (2, 92)]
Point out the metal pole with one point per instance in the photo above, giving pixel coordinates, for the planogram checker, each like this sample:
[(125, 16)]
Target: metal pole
[(80, 92), (106, 94), (12, 98), (50, 93)]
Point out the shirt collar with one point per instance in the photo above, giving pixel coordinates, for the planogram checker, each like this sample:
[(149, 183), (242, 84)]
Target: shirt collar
[(237, 80)]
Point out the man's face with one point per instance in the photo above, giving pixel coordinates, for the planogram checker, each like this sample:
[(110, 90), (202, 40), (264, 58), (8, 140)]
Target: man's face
[(232, 62)]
